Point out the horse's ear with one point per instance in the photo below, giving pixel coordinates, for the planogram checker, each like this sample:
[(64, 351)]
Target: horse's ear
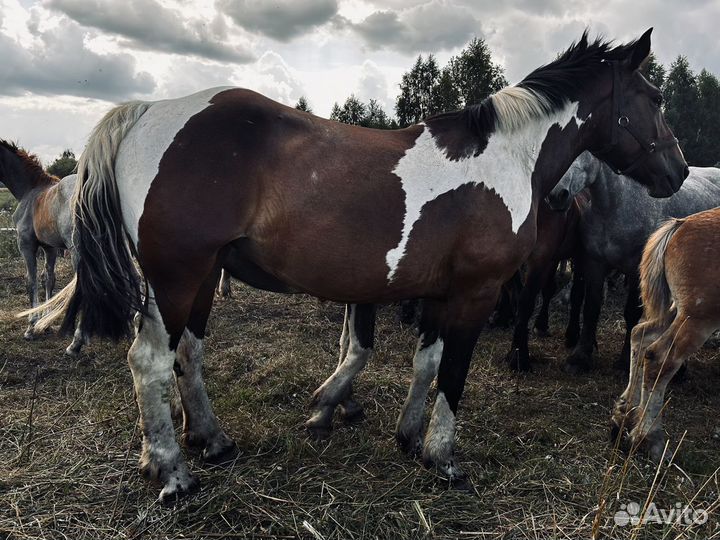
[(641, 50)]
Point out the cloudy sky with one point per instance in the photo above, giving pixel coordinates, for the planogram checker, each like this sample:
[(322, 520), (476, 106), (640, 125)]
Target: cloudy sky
[(64, 62)]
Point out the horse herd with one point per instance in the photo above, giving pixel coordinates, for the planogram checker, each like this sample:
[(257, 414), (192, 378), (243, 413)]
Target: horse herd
[(575, 161)]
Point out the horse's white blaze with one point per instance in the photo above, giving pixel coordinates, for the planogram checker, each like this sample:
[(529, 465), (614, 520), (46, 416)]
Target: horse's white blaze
[(505, 167), (139, 155)]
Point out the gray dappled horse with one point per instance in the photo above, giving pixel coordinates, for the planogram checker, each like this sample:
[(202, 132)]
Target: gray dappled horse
[(445, 210), (614, 230), (43, 220)]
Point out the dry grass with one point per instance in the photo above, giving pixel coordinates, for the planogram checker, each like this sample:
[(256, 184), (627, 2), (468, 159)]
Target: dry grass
[(535, 446)]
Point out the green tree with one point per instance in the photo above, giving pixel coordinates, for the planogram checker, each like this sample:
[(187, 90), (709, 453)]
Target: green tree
[(654, 71), (303, 105), (415, 101), (446, 96), (65, 164), (375, 116), (352, 112), (682, 106), (708, 140), (474, 73)]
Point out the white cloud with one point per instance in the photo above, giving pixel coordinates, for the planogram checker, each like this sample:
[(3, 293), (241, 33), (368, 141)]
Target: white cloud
[(279, 19)]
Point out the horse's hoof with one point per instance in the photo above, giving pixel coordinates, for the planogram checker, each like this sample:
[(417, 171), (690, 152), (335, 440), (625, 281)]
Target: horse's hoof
[(29, 335), (72, 352), (571, 340), (578, 362), (223, 450), (461, 484), (518, 361), (176, 488), (318, 428), (351, 412), (542, 332), (572, 368), (411, 445)]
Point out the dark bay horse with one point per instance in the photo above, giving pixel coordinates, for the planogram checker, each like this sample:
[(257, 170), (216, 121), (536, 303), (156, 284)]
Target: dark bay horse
[(614, 230), (444, 210), (43, 220), (680, 286), (558, 239)]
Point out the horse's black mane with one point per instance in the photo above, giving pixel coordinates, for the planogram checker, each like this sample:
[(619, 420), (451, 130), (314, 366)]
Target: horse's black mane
[(555, 83), (561, 81)]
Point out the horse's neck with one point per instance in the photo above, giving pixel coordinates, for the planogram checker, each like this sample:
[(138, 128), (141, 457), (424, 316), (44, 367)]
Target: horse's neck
[(603, 191), (22, 182)]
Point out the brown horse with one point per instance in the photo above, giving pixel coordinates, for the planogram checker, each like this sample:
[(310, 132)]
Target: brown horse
[(558, 240), (680, 286), (445, 210), (43, 221)]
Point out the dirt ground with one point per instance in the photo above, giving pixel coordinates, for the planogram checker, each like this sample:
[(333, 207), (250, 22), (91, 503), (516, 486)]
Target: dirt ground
[(535, 446)]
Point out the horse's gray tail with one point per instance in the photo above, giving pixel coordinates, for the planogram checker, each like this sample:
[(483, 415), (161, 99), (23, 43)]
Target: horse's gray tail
[(106, 289), (656, 294)]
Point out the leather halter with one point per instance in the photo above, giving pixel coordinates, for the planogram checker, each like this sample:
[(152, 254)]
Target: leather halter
[(649, 147)]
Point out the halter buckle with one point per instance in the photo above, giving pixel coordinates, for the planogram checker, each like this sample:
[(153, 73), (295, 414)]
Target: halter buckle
[(623, 121), (652, 147)]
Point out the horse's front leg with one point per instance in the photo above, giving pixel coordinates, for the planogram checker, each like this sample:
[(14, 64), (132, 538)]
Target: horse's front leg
[(518, 357), (356, 347), (577, 296), (460, 334), (581, 358), (28, 250)]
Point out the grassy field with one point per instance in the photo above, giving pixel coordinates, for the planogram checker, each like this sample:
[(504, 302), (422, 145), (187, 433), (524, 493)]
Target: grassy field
[(535, 445)]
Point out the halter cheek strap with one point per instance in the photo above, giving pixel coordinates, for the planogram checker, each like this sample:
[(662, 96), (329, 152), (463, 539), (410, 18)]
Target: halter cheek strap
[(649, 147)]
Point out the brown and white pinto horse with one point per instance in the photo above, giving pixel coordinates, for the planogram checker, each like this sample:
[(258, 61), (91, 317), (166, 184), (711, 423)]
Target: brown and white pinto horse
[(286, 201), (42, 218), (680, 287)]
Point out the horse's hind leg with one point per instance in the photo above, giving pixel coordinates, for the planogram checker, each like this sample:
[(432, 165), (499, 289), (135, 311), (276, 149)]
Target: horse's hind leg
[(409, 431), (356, 345), (662, 360), (49, 274), (201, 429), (224, 287), (28, 249), (643, 335), (151, 358)]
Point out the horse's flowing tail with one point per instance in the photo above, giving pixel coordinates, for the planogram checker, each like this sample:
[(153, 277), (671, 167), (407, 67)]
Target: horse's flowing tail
[(656, 294), (106, 289)]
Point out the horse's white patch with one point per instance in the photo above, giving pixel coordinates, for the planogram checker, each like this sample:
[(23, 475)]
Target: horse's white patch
[(440, 437), (425, 368), (505, 167), (138, 159)]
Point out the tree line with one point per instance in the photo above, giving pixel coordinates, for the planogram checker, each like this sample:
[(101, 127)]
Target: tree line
[(691, 101)]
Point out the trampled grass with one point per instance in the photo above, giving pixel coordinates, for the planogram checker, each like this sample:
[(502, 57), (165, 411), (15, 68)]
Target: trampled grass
[(535, 446)]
